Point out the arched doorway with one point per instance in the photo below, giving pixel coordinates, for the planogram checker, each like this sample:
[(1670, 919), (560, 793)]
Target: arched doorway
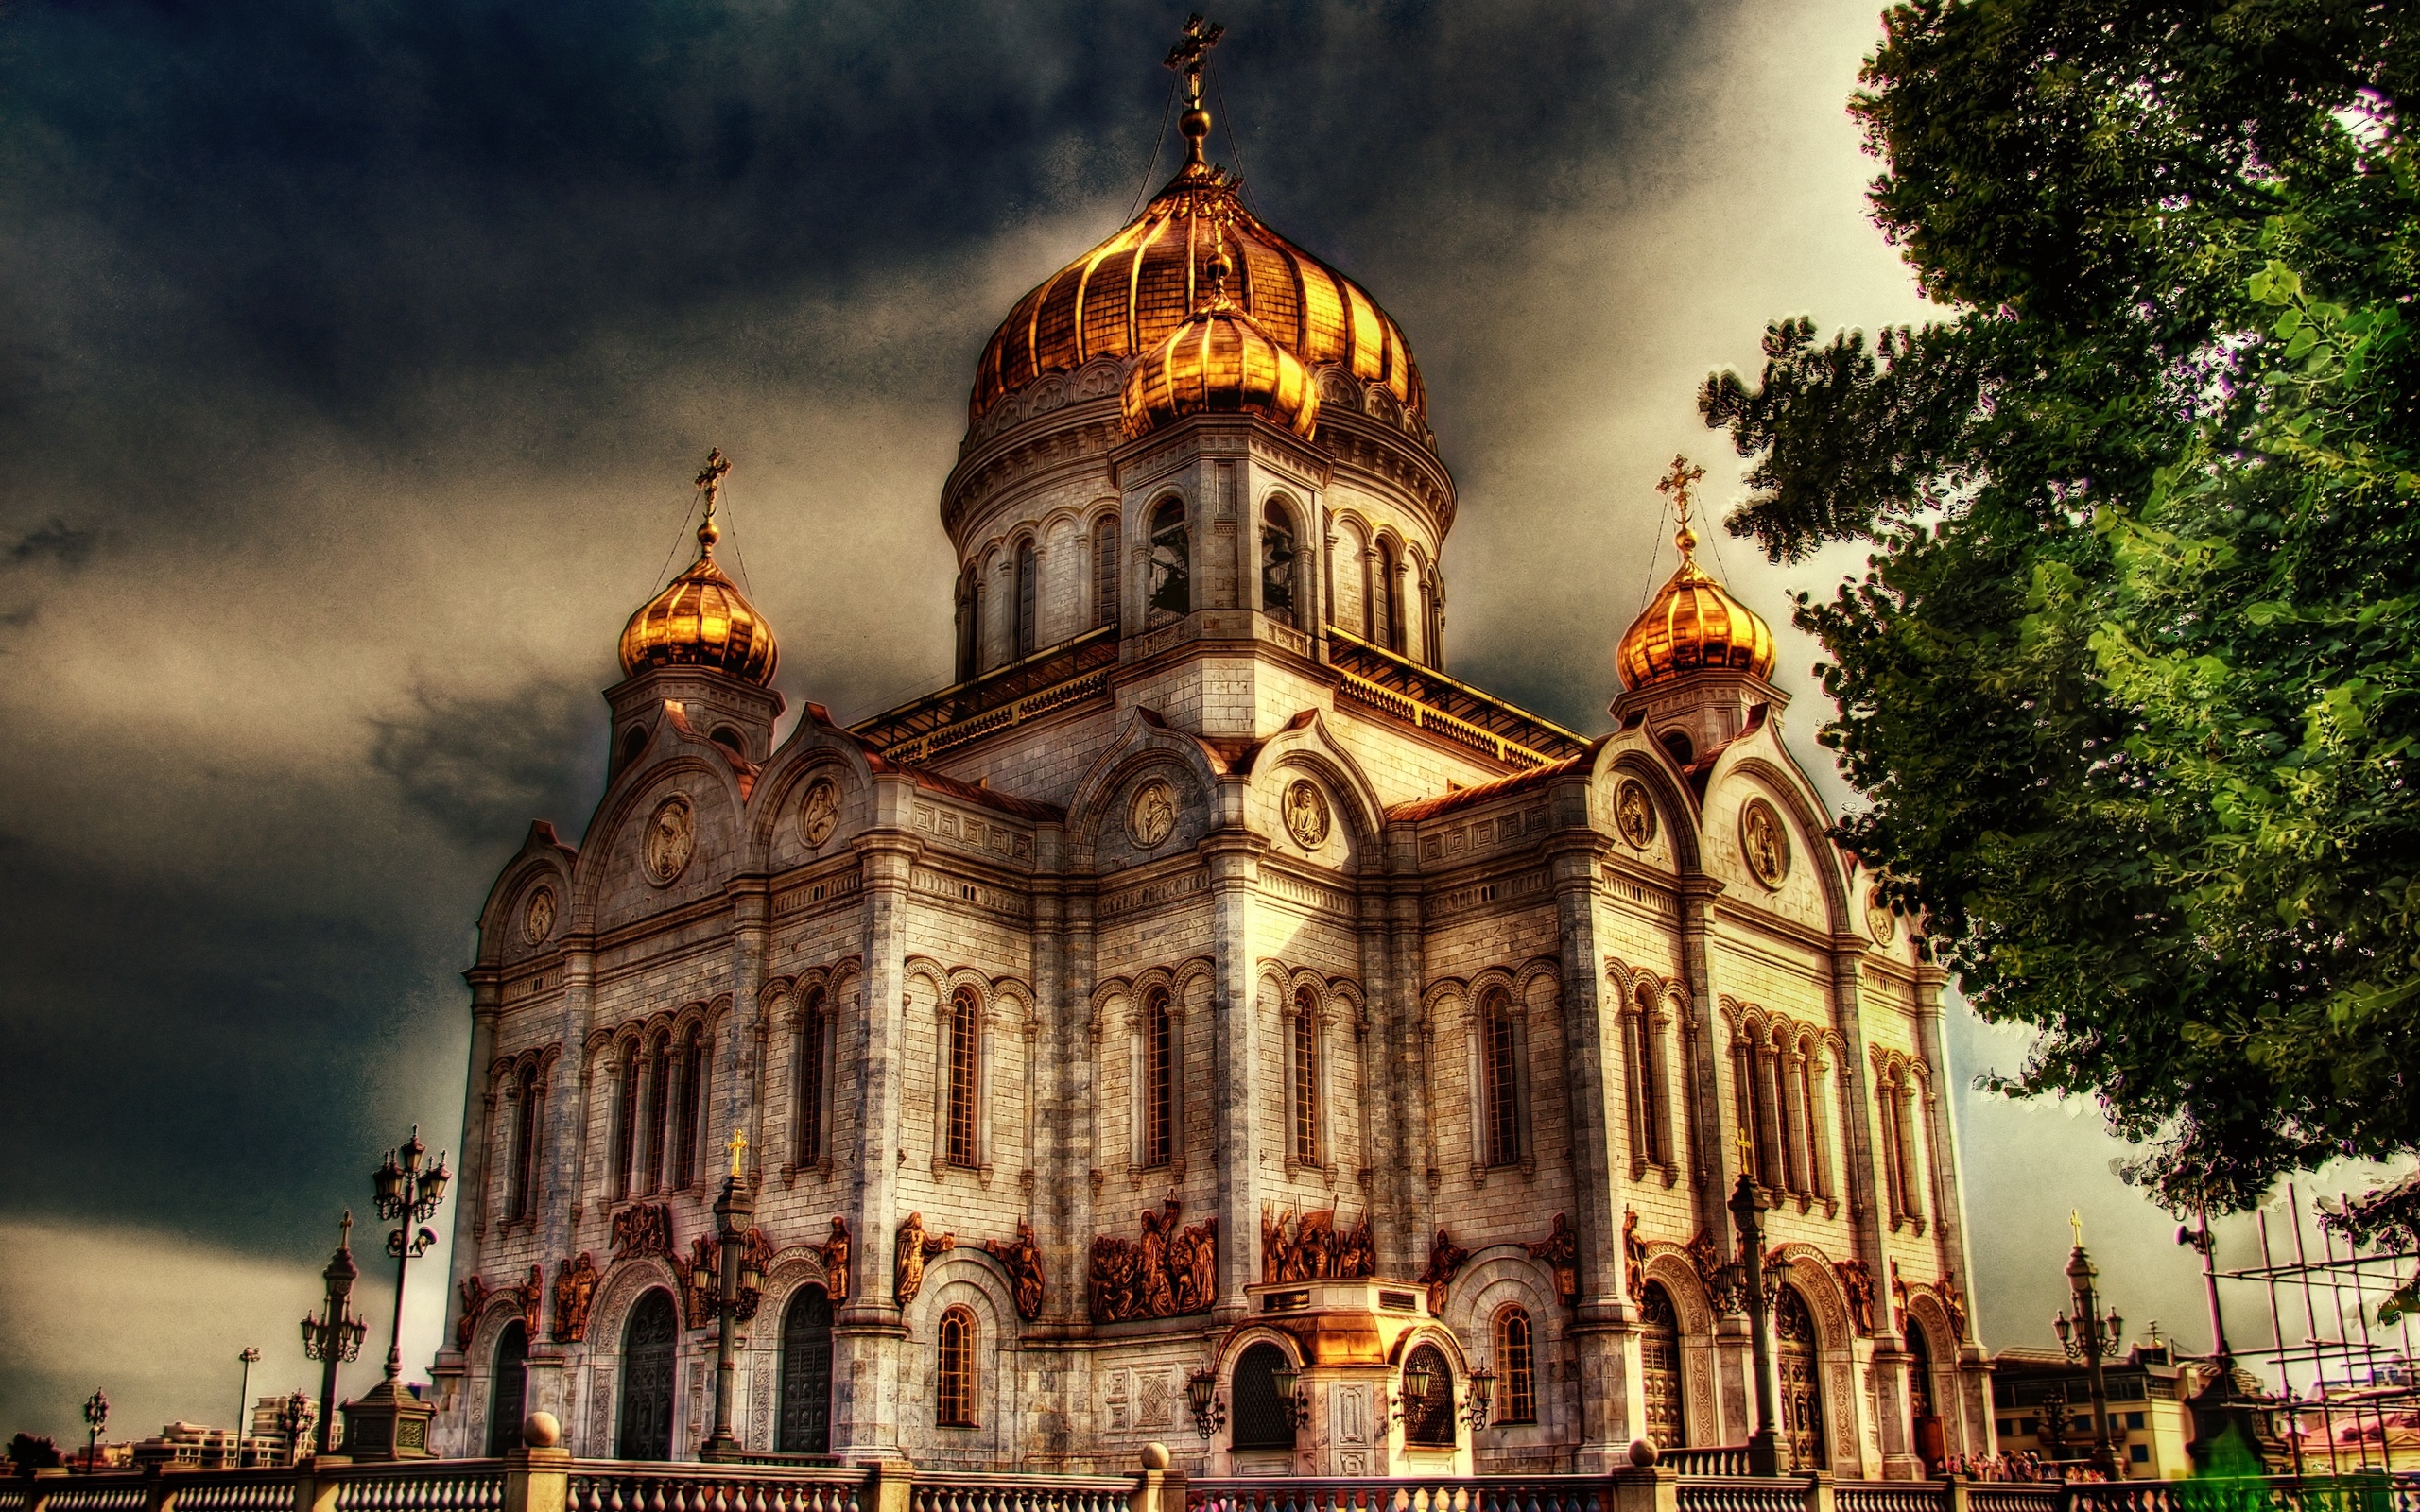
[(807, 1374), (646, 1431), (508, 1388), (1802, 1380), (1429, 1421), (1923, 1417), (1659, 1367), (1263, 1419)]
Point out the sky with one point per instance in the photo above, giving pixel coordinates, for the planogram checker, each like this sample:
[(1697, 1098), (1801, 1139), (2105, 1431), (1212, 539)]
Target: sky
[(355, 359)]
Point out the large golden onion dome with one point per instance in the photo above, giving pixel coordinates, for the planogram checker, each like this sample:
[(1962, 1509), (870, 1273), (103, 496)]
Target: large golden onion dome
[(701, 619), (1219, 361), (1125, 296), (1693, 625)]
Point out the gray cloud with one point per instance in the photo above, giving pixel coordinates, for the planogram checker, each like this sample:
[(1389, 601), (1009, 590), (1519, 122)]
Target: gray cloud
[(479, 765), (57, 540)]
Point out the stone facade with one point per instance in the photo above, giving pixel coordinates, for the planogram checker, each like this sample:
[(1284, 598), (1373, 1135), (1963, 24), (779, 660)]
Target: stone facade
[(1210, 972)]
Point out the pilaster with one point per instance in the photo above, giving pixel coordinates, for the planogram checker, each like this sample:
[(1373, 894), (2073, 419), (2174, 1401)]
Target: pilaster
[(1233, 858), (1601, 1330)]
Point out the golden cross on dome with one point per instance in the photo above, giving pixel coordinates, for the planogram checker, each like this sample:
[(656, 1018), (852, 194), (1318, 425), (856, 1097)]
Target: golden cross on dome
[(1676, 486), (737, 1145), (1192, 50), (709, 478), (2075, 1221)]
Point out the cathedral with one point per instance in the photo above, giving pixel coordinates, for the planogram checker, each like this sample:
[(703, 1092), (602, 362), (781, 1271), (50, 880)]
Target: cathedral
[(1206, 1020)]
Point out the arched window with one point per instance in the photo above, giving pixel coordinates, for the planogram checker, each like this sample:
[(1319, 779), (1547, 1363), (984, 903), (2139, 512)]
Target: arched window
[(1306, 1079), (806, 1426), (1263, 1419), (1387, 601), (626, 1120), (527, 1093), (1029, 575), (1429, 1421), (1814, 1116), (1659, 1367), (1651, 1130), (969, 630), (659, 1105), (1171, 586), (1801, 1379), (644, 1431), (814, 1053), (1432, 618), (965, 1024), (1517, 1368), (1911, 1124), (1922, 1418), (1752, 1070), (954, 1382), (1676, 744), (1159, 1078), (1105, 570), (1278, 553), (689, 1107), (1500, 1080), (507, 1390)]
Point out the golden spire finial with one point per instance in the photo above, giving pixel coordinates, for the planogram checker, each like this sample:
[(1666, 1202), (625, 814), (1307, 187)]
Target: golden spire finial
[(1221, 267), (1676, 486), (709, 478), (1192, 50), (2075, 1221)]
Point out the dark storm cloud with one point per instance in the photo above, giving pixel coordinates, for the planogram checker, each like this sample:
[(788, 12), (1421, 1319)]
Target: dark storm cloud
[(480, 766), (55, 541)]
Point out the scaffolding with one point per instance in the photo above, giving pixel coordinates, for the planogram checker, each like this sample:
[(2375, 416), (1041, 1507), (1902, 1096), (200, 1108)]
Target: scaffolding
[(2346, 1392)]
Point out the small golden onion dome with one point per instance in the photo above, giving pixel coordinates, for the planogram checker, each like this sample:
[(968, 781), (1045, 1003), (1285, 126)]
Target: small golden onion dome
[(1693, 625), (1219, 361), (701, 619), (1122, 297)]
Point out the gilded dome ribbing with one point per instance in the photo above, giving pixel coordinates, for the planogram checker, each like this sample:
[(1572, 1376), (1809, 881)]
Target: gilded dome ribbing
[(701, 619), (1125, 296), (1693, 625)]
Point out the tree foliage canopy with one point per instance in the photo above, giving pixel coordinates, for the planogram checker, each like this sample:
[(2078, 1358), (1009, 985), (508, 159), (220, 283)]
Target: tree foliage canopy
[(2132, 677)]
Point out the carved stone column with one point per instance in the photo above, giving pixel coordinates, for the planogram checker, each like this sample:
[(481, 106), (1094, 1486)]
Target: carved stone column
[(1601, 1330), (743, 1056), (1234, 857)]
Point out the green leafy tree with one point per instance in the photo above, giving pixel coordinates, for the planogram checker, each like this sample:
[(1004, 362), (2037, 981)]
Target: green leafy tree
[(2133, 675)]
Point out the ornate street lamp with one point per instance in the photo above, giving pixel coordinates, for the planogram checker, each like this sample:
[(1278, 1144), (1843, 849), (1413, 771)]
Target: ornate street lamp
[(335, 1336), (738, 1285), (1209, 1409), (1480, 1410), (1416, 1382), (248, 1356), (2088, 1338), (391, 1422), (97, 1416), (1767, 1455), (290, 1415)]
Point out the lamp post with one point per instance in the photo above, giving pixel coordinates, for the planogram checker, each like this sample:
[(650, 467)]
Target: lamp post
[(1480, 1410), (737, 1288), (335, 1336), (1209, 1411), (391, 1423), (2088, 1338), (290, 1415), (97, 1416), (248, 1356), (1766, 1454)]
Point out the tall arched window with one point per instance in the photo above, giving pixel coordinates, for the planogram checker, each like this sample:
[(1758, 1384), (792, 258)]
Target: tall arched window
[(1650, 1130), (1659, 1367), (814, 1053), (1159, 1078), (1306, 1079), (1279, 551), (1171, 586), (966, 1024), (1263, 1419), (1909, 1104), (970, 628), (1516, 1367), (1752, 1069), (509, 1389), (806, 1423), (626, 1120), (1432, 618), (659, 1105), (954, 1380), (1500, 1079), (689, 1107), (1387, 601), (528, 1092), (1105, 570), (1028, 576), (1429, 1421)]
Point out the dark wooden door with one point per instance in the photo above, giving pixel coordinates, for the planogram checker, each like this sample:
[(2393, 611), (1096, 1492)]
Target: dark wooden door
[(806, 1375), (509, 1389), (1659, 1362), (1802, 1382), (646, 1380)]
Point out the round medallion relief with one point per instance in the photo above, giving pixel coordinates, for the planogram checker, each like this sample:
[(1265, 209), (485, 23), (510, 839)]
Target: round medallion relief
[(538, 916), (1307, 816), (1879, 919), (818, 813), (1150, 817), (671, 839), (1764, 843), (1634, 813)]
